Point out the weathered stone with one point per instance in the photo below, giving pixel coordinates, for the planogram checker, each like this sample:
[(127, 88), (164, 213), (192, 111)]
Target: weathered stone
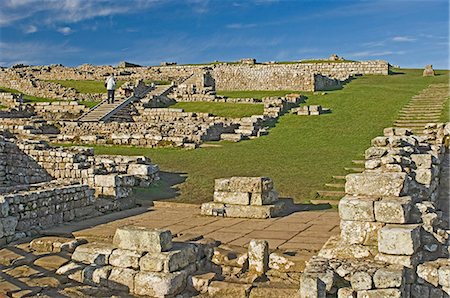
[(241, 211), (93, 253), (143, 239), (265, 198), (142, 169), (399, 239), (424, 161), (360, 232), (244, 184), (237, 198), (122, 279), (357, 208), (157, 284), (228, 289), (420, 291), (258, 256), (428, 71), (381, 184), (361, 281), (346, 293), (407, 261), (388, 277), (429, 273), (393, 210), (170, 261), (311, 287), (94, 274), (273, 292), (201, 282), (380, 293), (124, 258), (444, 276)]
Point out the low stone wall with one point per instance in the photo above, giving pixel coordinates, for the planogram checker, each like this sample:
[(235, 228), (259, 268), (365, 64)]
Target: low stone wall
[(59, 110), (391, 225), (25, 212)]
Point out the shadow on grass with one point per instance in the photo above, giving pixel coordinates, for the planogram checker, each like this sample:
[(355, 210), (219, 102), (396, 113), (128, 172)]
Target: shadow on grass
[(392, 72), (165, 189)]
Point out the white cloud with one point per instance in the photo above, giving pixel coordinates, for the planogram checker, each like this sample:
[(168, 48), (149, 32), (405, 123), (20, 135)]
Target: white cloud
[(374, 53), (240, 26), (67, 11), (65, 30), (30, 29), (403, 39)]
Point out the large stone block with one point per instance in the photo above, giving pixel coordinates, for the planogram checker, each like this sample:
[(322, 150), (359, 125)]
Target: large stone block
[(357, 208), (93, 253), (361, 280), (244, 184), (236, 198), (258, 256), (389, 277), (124, 258), (143, 239), (393, 210), (378, 184), (311, 287), (122, 279), (424, 161), (265, 198), (444, 276), (380, 293), (399, 239), (170, 261), (241, 211), (406, 261), (106, 180), (142, 169), (360, 232), (157, 284)]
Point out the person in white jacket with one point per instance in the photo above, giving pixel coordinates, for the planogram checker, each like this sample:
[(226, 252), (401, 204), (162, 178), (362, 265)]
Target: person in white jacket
[(111, 87)]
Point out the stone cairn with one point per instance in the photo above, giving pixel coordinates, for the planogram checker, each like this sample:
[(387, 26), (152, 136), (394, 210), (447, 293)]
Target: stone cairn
[(249, 197), (428, 71), (394, 240)]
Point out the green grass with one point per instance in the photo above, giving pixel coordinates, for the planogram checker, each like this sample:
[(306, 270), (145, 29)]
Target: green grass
[(89, 104), (26, 97), (222, 109), (445, 116), (259, 94), (301, 153)]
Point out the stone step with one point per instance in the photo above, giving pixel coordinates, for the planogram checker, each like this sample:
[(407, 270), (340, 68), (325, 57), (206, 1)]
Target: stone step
[(355, 170), (331, 193), (338, 177), (323, 202), (417, 121)]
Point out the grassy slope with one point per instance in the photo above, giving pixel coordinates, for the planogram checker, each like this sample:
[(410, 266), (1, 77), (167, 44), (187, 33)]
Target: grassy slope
[(302, 152), (222, 109), (26, 97)]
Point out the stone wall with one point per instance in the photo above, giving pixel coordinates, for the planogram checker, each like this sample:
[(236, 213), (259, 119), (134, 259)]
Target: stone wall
[(392, 230), (59, 110)]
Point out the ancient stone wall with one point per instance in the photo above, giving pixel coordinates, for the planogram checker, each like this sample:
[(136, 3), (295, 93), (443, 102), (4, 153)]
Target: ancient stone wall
[(394, 238), (59, 110)]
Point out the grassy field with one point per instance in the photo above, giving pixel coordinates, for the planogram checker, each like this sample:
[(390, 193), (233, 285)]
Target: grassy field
[(301, 153), (259, 94), (222, 109)]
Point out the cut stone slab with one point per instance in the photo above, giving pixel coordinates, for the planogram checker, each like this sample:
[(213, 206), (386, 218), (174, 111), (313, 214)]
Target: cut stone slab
[(124, 258), (361, 281), (244, 184), (258, 257), (380, 293), (360, 232), (399, 239), (49, 243), (51, 262), (93, 253), (121, 279), (265, 198), (357, 208), (240, 211), (157, 284), (236, 198), (170, 261), (143, 239), (228, 289), (389, 277), (378, 184), (393, 210), (312, 287)]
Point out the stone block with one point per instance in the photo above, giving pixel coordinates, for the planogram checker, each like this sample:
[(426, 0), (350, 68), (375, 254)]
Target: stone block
[(407, 261), (106, 180), (423, 161), (346, 293), (393, 210), (424, 176), (357, 208), (258, 257), (200, 282), (361, 280), (399, 239), (389, 277), (143, 239), (142, 169), (94, 274), (124, 258), (311, 286), (380, 293), (244, 184), (236, 198), (170, 261), (360, 232), (93, 253), (121, 279), (265, 198), (241, 211), (228, 289), (157, 284), (378, 184), (444, 276)]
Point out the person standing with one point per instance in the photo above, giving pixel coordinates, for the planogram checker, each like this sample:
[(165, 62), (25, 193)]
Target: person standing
[(111, 87)]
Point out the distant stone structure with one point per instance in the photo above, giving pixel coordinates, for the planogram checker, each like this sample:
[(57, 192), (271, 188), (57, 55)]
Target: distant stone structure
[(168, 63), (125, 64), (249, 61), (335, 57), (428, 71), (310, 110), (250, 197)]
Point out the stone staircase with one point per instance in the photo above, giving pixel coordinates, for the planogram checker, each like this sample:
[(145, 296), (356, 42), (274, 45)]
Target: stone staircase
[(249, 127), (426, 107)]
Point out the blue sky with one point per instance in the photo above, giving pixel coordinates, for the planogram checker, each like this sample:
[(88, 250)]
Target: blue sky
[(72, 32)]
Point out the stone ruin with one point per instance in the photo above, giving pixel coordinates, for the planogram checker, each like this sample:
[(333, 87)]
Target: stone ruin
[(249, 197), (150, 262), (310, 110), (428, 71), (394, 239), (42, 185)]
